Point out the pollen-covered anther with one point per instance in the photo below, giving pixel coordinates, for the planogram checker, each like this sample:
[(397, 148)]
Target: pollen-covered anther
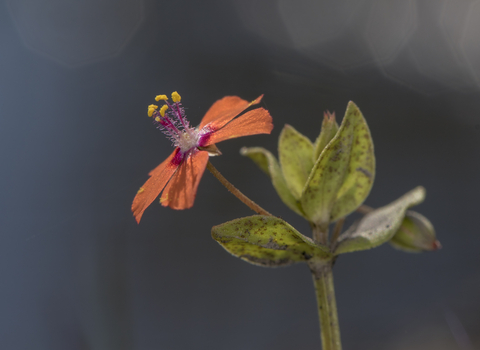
[(163, 109), (157, 119), (176, 97), (161, 97), (151, 109)]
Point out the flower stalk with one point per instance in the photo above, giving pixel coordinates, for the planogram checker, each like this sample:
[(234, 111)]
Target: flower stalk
[(236, 192)]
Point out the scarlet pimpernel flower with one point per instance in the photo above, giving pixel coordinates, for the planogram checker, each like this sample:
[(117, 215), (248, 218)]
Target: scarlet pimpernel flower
[(179, 175)]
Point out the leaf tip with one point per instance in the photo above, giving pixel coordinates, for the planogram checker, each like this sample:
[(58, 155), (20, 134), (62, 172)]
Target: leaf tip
[(286, 128), (420, 194), (351, 104)]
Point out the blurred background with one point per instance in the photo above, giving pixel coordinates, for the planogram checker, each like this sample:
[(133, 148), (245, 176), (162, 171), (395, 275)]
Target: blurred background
[(76, 77)]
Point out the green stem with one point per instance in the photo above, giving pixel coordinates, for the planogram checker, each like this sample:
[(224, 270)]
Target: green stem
[(327, 306), (247, 201), (320, 233)]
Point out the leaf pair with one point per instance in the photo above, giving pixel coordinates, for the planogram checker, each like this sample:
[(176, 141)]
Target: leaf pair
[(297, 155), (326, 180), (271, 242)]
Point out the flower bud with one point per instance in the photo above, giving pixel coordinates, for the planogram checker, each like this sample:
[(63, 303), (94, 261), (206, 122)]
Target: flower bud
[(328, 132), (416, 234)]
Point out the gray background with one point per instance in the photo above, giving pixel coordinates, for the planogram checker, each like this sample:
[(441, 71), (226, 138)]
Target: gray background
[(76, 77)]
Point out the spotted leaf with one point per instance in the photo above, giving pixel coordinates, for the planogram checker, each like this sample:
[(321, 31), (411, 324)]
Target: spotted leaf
[(266, 241), (378, 226), (295, 152), (343, 175)]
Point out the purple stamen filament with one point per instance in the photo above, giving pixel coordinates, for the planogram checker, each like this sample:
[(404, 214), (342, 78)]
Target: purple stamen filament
[(177, 112), (166, 122)]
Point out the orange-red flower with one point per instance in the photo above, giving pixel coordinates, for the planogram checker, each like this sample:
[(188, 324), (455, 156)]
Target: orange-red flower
[(179, 175)]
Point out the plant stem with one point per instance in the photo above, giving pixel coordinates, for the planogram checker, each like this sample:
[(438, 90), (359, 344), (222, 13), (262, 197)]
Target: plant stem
[(320, 233), (327, 306), (247, 201)]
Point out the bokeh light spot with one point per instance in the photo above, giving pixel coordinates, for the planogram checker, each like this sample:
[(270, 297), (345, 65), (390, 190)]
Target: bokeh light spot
[(76, 32)]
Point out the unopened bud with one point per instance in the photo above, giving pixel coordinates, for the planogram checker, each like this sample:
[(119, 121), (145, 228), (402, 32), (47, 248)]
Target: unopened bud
[(416, 234), (328, 132)]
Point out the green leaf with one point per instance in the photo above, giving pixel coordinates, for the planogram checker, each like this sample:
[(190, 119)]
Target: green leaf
[(266, 241), (378, 226), (343, 175), (416, 234), (327, 133), (268, 163), (295, 152)]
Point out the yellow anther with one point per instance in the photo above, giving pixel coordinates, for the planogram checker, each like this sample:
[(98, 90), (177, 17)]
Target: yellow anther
[(141, 190), (163, 109), (161, 97), (176, 97), (157, 119), (151, 109)]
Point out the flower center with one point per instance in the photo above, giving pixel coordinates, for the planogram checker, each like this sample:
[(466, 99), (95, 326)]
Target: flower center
[(187, 140), (172, 121)]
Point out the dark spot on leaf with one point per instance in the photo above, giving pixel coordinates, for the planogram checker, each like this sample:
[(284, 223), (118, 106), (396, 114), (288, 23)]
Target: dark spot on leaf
[(306, 256), (274, 245), (365, 172)]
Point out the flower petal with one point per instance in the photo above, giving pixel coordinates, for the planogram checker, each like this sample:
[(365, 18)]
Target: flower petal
[(225, 110), (181, 190), (154, 185), (253, 122)]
